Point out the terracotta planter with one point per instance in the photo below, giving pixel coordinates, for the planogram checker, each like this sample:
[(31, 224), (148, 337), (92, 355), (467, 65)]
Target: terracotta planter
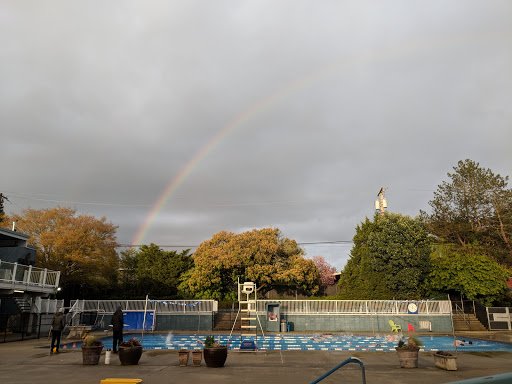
[(445, 362), (215, 357), (183, 355), (197, 356), (130, 355), (91, 355), (408, 357)]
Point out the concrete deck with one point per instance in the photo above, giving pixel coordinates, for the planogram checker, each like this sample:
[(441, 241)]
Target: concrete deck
[(26, 362)]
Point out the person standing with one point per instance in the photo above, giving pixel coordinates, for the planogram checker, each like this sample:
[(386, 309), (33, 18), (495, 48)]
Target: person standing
[(117, 326), (57, 327)]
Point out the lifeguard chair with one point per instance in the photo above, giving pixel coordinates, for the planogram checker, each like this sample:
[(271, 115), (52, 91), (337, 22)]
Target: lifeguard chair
[(250, 322)]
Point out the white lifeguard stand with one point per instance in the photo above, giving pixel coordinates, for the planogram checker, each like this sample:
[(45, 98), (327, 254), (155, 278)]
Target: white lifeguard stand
[(250, 322)]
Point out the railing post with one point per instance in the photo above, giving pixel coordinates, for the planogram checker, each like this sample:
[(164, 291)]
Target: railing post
[(14, 270), (57, 279), (43, 277), (29, 275)]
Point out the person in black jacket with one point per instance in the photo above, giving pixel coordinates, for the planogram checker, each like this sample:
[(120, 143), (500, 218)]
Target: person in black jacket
[(57, 327), (117, 326)]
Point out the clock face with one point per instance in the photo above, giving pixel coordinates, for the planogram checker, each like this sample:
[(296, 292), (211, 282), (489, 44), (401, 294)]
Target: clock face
[(412, 307)]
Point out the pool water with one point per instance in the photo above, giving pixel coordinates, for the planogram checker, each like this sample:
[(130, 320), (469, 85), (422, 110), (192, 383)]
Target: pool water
[(314, 342)]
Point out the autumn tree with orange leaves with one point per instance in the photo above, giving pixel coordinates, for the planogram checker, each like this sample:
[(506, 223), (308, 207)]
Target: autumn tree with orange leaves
[(81, 247), (261, 256)]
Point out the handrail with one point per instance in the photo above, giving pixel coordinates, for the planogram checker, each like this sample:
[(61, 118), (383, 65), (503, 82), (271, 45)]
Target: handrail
[(460, 311), (349, 360)]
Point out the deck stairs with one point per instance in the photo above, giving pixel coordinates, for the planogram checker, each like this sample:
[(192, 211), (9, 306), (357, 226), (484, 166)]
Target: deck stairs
[(22, 304), (467, 322), (224, 322)]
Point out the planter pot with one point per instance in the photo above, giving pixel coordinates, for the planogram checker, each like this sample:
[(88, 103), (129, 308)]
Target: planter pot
[(215, 357), (408, 357), (91, 355), (183, 357), (445, 362), (197, 356), (130, 355)]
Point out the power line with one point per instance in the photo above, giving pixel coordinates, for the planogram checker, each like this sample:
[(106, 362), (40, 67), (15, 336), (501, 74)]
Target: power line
[(339, 242)]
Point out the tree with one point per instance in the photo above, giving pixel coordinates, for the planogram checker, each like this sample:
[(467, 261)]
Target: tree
[(159, 272), (262, 256), (474, 211), (474, 275), (2, 212), (128, 286), (81, 247), (325, 270), (390, 258)]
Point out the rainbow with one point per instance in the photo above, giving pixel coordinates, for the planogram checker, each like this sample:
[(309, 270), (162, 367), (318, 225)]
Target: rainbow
[(206, 149), (281, 93)]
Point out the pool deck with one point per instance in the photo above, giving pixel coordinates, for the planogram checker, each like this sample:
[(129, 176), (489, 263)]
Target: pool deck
[(26, 362)]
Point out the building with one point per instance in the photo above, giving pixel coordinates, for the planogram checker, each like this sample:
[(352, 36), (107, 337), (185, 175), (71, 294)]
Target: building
[(22, 285)]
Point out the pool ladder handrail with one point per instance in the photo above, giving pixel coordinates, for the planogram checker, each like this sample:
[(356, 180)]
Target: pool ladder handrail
[(349, 360)]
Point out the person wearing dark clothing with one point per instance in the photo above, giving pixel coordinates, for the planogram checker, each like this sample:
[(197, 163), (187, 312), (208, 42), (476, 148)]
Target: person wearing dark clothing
[(117, 326), (57, 327)]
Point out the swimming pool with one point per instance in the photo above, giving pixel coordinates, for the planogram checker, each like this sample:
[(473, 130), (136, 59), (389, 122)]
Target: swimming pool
[(313, 342)]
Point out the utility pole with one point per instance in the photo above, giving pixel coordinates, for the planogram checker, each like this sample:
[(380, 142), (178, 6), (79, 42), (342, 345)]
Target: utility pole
[(381, 203)]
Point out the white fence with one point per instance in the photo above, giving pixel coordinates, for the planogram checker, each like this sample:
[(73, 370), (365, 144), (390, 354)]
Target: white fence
[(171, 306), (354, 307), (303, 307), (47, 305)]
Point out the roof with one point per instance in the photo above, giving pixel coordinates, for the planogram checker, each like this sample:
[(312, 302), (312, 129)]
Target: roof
[(6, 234)]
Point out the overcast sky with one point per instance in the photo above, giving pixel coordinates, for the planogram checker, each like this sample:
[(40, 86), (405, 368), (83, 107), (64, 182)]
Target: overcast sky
[(248, 114)]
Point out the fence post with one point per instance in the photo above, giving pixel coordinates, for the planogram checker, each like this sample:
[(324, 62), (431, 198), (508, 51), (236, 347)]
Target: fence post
[(39, 326)]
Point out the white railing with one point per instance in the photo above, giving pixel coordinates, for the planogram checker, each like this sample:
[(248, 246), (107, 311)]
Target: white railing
[(313, 307), (499, 318), (47, 305), (160, 306), (27, 277), (354, 307)]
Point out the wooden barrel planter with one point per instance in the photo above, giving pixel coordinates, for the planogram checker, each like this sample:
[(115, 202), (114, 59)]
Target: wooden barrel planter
[(197, 356), (215, 357), (183, 355), (408, 357), (130, 355), (91, 355)]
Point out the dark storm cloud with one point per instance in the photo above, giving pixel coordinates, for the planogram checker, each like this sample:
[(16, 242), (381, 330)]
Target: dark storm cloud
[(107, 103)]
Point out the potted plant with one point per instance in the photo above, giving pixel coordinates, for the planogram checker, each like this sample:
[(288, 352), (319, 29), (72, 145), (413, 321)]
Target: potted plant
[(183, 355), (197, 356), (91, 350), (214, 354), (130, 352), (445, 360), (408, 352)]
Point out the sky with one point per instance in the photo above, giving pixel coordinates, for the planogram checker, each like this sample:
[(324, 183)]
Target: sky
[(179, 119)]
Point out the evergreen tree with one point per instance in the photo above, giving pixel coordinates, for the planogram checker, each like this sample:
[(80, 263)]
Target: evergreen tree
[(390, 259), (474, 211)]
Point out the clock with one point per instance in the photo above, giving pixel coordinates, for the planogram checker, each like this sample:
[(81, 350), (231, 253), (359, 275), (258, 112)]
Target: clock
[(412, 308)]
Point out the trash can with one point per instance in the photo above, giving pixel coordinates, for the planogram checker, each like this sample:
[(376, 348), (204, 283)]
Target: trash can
[(284, 326)]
